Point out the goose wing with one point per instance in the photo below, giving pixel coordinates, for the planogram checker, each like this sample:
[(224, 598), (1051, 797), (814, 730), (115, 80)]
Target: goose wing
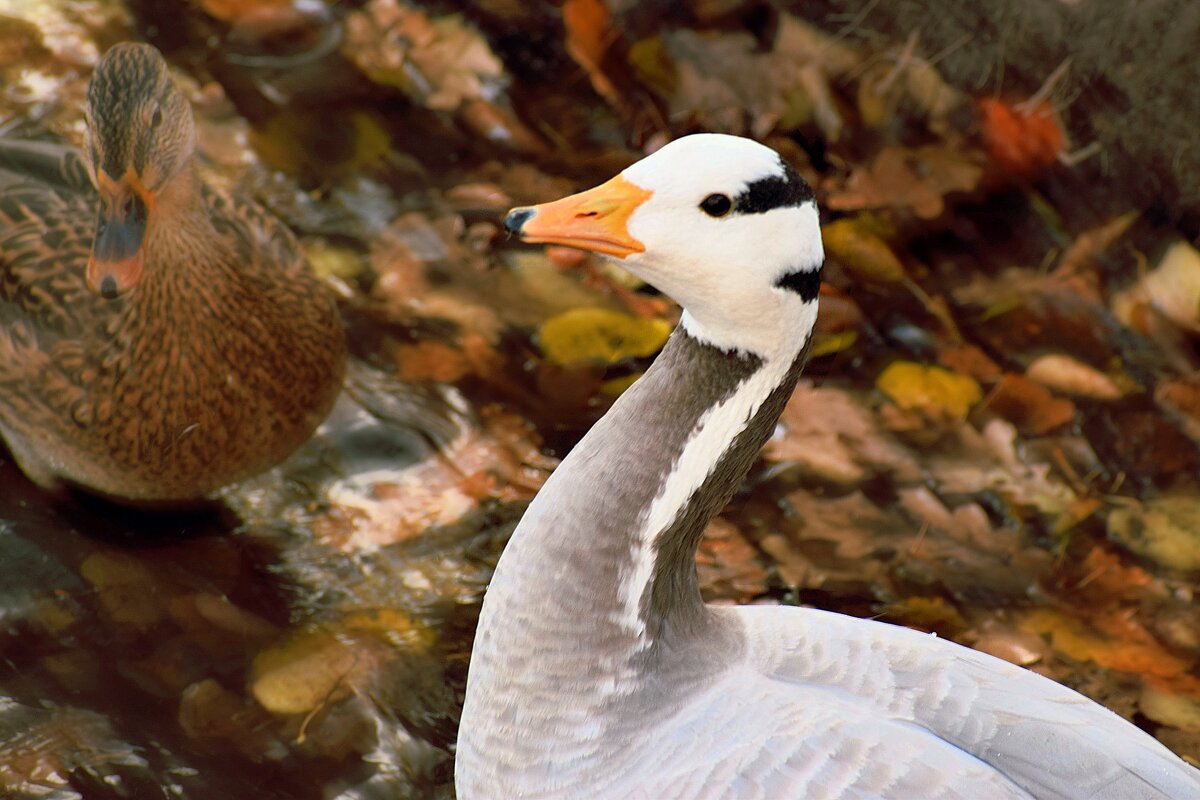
[(884, 690)]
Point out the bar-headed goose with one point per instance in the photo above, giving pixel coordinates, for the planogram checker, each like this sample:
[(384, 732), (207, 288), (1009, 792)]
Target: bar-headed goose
[(598, 672)]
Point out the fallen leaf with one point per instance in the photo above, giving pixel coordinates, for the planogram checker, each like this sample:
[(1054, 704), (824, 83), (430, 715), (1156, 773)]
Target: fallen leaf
[(209, 712), (1071, 376), (895, 92), (987, 460), (967, 359), (260, 19), (1181, 399), (1028, 405), (830, 343), (588, 37), (916, 179), (129, 591), (599, 335), (831, 435), (320, 665), (1165, 530), (931, 614), (1014, 646), (853, 242), (1090, 244), (1020, 141), (1167, 708), (1114, 641), (431, 361), (328, 260), (1173, 287), (439, 62), (916, 386)]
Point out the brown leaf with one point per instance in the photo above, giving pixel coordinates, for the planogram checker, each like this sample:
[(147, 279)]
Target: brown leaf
[(910, 179), (1090, 244), (1028, 405), (967, 359), (830, 434)]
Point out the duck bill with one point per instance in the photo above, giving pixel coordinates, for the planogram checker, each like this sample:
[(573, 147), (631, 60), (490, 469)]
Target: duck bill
[(595, 220), (118, 252)]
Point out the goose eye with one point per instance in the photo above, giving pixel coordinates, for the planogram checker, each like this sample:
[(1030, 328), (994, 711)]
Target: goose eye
[(716, 205), (156, 118)]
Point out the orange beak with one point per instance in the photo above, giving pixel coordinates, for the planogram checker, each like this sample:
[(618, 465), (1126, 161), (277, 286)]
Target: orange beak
[(594, 220), (118, 251)]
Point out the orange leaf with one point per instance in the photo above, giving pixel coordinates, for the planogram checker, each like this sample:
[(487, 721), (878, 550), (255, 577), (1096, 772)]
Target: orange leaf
[(431, 361), (1023, 142), (587, 23)]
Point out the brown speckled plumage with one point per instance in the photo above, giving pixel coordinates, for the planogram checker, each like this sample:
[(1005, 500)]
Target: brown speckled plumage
[(214, 365)]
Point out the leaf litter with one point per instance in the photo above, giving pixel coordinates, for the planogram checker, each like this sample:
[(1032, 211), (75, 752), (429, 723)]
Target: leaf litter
[(996, 439)]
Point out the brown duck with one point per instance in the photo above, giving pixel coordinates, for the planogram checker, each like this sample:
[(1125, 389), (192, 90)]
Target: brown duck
[(158, 338)]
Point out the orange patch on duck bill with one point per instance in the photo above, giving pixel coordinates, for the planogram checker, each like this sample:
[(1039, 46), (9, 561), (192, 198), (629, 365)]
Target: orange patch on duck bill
[(595, 220), (118, 250)]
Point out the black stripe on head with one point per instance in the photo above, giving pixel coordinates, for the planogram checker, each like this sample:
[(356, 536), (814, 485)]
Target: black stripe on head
[(775, 191), (804, 282)]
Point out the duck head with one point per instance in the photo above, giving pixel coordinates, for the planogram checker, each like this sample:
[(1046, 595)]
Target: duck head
[(140, 137), (719, 223)]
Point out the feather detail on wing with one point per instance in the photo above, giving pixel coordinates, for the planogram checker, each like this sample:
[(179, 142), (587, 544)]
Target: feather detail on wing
[(896, 689)]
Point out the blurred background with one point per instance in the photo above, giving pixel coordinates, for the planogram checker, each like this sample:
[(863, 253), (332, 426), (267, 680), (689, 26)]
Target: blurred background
[(996, 440)]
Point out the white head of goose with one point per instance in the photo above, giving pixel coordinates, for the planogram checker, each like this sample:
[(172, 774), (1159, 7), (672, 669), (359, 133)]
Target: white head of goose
[(598, 672)]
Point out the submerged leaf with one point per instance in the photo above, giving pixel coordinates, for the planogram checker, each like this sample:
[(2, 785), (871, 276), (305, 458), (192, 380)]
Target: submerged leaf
[(317, 666)]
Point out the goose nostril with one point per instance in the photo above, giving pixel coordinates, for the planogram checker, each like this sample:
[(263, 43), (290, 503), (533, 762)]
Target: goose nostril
[(516, 220)]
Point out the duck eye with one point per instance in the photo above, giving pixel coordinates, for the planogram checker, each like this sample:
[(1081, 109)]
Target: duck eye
[(156, 118), (716, 205)]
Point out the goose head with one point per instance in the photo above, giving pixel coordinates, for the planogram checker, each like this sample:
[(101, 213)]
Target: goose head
[(140, 137), (719, 223)]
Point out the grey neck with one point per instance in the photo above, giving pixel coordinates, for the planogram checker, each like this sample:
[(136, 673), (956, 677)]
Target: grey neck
[(587, 545)]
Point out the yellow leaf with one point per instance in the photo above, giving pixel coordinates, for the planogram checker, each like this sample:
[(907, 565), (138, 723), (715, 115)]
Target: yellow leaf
[(915, 386), (311, 668), (1165, 530), (130, 591), (831, 343), (1166, 708), (852, 241), (1114, 642), (600, 335), (316, 666), (614, 387), (927, 613), (328, 260)]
